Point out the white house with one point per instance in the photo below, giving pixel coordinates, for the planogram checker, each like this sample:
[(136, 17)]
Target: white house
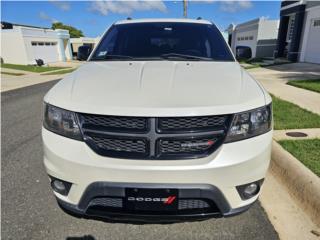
[(299, 31), (260, 35), (21, 44), (77, 42)]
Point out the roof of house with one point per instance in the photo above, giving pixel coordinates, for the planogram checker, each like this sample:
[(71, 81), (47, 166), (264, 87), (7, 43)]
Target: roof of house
[(8, 25)]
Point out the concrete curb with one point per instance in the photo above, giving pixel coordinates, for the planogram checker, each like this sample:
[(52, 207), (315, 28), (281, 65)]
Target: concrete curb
[(302, 184)]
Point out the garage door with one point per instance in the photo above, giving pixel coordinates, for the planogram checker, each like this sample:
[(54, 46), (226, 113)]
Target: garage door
[(313, 44), (47, 51)]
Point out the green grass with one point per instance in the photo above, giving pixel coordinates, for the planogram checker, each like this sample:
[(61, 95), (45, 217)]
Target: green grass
[(252, 66), (11, 73), (30, 68), (60, 72), (253, 60), (312, 85), (290, 116), (307, 151)]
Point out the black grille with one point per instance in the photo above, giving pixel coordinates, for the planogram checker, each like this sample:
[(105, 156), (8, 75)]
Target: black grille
[(118, 146), (186, 145), (154, 138), (183, 204), (191, 124), (106, 202), (192, 204), (114, 123)]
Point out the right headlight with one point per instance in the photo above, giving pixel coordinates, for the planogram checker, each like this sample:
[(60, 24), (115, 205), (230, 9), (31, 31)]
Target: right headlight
[(249, 124), (62, 122)]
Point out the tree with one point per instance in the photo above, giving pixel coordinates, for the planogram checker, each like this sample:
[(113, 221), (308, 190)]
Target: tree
[(74, 32)]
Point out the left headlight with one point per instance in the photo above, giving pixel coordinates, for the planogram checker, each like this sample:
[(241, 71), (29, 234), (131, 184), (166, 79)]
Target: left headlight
[(250, 124), (61, 122)]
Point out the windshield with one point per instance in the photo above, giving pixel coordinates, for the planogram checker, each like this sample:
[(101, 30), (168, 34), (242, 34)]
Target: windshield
[(163, 40)]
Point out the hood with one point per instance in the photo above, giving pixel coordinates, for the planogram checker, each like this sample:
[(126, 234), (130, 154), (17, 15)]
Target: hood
[(157, 88)]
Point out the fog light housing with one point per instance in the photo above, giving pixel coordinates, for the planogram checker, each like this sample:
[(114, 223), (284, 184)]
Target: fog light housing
[(60, 186), (249, 190)]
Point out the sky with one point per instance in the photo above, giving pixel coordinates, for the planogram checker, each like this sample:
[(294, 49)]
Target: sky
[(94, 17)]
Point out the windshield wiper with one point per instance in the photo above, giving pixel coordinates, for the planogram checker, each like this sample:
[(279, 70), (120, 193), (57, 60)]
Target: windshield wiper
[(183, 56), (111, 57), (125, 57), (118, 57)]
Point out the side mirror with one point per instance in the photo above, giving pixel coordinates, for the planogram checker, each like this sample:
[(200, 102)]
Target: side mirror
[(84, 52), (243, 52)]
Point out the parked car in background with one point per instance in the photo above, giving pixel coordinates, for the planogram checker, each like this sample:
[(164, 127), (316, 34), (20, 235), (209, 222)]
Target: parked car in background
[(243, 52), (84, 52)]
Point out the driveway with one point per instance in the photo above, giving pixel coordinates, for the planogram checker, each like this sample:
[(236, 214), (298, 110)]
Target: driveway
[(29, 209), (9, 82), (286, 72), (274, 80)]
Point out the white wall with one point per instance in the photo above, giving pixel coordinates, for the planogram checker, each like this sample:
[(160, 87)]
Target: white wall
[(16, 45), (259, 29), (13, 47), (268, 29), (64, 46), (311, 13)]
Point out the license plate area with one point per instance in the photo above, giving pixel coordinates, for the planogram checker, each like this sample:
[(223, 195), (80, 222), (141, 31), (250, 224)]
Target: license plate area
[(151, 200)]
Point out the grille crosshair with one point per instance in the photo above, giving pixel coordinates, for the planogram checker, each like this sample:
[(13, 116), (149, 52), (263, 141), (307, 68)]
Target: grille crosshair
[(154, 138)]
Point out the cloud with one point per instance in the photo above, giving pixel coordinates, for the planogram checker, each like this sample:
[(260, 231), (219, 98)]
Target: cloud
[(235, 6), (45, 17), (127, 7), (64, 6)]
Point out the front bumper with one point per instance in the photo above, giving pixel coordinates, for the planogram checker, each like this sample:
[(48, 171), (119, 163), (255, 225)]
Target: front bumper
[(117, 190), (231, 165)]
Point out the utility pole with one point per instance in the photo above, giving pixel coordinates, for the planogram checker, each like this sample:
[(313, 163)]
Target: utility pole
[(185, 8)]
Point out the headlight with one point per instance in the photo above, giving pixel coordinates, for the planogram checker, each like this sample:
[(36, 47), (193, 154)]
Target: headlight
[(249, 124), (62, 122)]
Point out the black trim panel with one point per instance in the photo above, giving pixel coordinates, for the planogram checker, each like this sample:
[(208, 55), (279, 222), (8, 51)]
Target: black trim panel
[(295, 9), (287, 3), (84, 118), (225, 126), (217, 143), (200, 191), (101, 151)]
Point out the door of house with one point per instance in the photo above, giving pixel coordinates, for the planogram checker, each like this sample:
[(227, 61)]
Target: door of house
[(312, 54), (47, 51)]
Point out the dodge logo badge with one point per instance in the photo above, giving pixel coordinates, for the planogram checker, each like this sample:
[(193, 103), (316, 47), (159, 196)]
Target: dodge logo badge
[(166, 201)]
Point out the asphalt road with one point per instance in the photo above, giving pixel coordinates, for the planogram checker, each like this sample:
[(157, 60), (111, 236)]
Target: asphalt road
[(29, 209)]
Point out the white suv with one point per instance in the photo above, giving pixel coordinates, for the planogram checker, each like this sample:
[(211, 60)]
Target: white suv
[(160, 124)]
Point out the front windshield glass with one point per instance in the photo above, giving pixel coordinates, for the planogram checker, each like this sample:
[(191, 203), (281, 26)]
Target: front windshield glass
[(163, 40)]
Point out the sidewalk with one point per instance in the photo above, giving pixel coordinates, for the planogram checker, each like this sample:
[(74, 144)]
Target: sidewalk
[(287, 217), (73, 64), (9, 70), (9, 82), (274, 79), (282, 134)]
